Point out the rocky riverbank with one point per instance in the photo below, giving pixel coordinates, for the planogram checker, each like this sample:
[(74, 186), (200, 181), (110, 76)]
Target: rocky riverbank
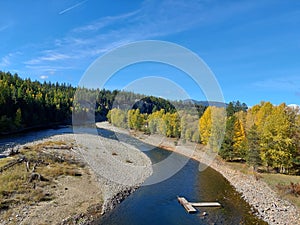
[(120, 168), (265, 202), (65, 191), (113, 171)]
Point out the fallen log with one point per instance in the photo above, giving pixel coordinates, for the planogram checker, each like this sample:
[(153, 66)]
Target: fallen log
[(37, 176)]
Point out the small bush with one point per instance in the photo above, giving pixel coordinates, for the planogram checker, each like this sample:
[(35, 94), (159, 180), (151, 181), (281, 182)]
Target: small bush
[(292, 188)]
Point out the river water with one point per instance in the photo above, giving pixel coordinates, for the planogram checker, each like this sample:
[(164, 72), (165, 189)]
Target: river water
[(27, 137), (157, 204)]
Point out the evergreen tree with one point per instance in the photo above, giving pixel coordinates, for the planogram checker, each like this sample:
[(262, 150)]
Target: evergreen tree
[(253, 153), (227, 149)]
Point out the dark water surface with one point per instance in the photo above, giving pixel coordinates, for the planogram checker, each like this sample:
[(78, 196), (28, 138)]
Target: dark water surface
[(26, 137), (157, 204)]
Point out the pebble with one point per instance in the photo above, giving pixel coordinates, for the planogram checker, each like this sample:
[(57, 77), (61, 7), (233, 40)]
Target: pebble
[(269, 206)]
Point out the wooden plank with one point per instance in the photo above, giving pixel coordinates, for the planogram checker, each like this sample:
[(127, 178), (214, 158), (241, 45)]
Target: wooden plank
[(188, 207), (205, 204)]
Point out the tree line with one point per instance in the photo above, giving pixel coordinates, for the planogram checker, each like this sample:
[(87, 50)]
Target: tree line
[(25, 103), (28, 104), (264, 135)]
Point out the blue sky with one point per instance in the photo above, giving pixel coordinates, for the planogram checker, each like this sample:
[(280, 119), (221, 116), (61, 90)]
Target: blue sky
[(253, 47)]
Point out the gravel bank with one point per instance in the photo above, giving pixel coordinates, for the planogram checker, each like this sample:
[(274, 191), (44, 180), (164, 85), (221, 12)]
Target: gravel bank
[(116, 170), (73, 198), (120, 167), (267, 204)]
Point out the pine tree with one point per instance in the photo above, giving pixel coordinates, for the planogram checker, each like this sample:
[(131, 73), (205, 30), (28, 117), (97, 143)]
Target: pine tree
[(18, 117), (253, 153), (227, 149)]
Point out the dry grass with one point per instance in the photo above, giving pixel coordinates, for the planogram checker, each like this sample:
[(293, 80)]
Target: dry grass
[(12, 180), (273, 180), (242, 167), (15, 187), (5, 161)]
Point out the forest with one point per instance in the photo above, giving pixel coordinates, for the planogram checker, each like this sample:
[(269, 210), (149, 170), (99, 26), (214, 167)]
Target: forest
[(26, 104), (264, 135)]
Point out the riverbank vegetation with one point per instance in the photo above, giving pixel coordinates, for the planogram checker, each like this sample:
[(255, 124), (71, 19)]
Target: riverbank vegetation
[(36, 177), (26, 104), (287, 186), (265, 136)]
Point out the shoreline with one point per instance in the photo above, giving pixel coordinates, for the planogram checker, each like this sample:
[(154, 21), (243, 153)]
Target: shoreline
[(34, 128), (95, 200), (70, 200), (265, 202), (120, 168)]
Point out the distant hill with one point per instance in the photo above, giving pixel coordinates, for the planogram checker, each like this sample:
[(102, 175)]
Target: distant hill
[(206, 103), (152, 104)]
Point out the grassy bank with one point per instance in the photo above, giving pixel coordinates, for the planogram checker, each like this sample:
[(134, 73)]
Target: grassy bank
[(277, 182), (42, 181)]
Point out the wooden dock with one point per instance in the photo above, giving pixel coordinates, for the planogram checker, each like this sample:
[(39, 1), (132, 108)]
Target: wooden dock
[(205, 204), (189, 206)]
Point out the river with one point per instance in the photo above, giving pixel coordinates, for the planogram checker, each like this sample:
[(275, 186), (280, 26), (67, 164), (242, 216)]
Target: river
[(157, 204), (26, 137)]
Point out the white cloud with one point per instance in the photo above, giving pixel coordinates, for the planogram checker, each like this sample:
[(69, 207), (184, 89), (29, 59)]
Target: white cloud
[(44, 77), (50, 55), (104, 22), (6, 60)]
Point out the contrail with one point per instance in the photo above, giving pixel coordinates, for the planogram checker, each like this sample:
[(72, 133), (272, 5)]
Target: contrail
[(72, 7), (2, 28)]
